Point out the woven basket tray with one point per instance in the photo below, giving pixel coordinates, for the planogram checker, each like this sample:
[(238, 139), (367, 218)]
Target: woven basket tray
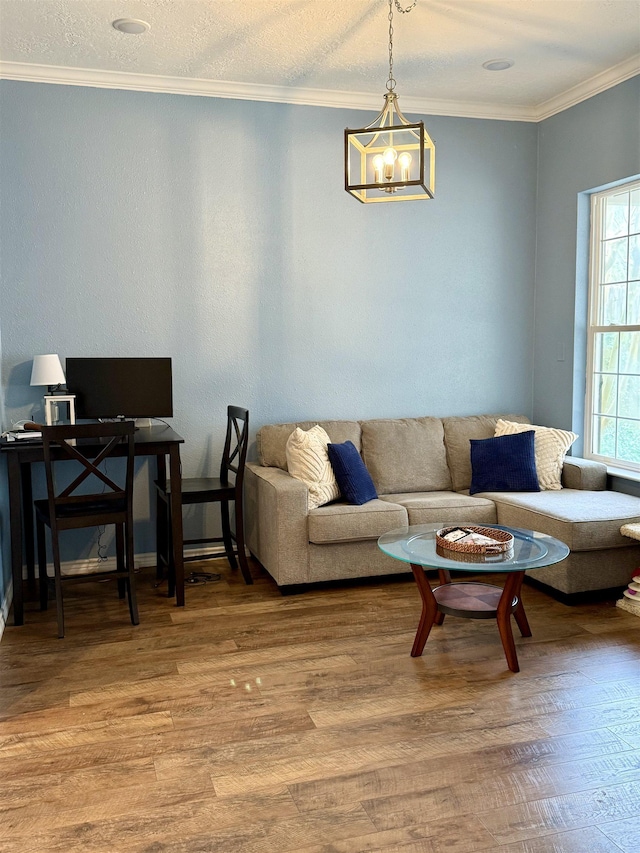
[(503, 540), (480, 559)]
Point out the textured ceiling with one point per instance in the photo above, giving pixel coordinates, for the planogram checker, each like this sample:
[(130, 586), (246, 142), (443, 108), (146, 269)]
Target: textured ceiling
[(322, 51)]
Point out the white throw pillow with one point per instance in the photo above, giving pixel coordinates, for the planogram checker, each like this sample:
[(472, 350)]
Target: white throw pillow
[(308, 460), (551, 446)]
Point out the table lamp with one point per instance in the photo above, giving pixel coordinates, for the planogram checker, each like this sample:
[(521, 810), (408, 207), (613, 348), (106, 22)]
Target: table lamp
[(47, 370)]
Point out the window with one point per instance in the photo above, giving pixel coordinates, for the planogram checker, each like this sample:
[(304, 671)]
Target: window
[(612, 418)]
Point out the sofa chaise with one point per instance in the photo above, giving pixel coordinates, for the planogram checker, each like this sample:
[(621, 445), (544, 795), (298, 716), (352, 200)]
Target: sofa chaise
[(421, 469)]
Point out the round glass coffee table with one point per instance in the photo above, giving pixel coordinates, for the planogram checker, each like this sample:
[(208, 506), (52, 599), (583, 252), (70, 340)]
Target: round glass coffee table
[(417, 546)]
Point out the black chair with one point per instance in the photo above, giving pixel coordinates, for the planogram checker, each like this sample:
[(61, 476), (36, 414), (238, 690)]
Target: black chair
[(225, 489), (69, 509)]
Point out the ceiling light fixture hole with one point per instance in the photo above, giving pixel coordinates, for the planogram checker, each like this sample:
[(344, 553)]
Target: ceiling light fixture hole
[(131, 26), (498, 64)]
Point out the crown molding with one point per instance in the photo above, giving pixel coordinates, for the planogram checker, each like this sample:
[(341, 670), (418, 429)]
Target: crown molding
[(600, 83), (62, 75)]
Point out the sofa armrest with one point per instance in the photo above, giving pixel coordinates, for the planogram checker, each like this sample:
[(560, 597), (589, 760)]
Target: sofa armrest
[(276, 510), (584, 474)]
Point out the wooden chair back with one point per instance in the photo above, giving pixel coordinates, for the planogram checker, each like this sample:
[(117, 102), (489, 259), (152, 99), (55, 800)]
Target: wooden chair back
[(236, 443), (89, 445)]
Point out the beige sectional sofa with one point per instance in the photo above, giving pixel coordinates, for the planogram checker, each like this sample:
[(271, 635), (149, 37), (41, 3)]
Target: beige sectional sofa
[(422, 472)]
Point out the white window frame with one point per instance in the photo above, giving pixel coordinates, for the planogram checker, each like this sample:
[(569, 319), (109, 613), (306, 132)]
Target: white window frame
[(595, 266)]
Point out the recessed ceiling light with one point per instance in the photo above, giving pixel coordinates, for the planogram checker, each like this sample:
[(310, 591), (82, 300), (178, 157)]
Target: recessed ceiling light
[(498, 64), (131, 26)]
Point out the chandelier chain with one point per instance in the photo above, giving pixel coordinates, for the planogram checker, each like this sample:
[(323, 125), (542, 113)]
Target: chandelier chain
[(408, 9), (391, 82)]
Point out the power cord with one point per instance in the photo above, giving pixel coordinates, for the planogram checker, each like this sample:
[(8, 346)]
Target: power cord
[(197, 578)]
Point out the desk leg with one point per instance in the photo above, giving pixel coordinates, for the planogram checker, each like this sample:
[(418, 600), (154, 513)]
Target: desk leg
[(429, 615), (162, 532), (512, 588), (15, 523), (175, 476), (27, 518)]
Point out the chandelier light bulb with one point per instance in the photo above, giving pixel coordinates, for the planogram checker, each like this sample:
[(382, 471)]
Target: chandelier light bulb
[(390, 155), (405, 165), (378, 165)]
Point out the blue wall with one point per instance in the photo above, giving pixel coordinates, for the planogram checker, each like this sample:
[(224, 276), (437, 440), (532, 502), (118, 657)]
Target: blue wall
[(218, 232), (592, 144)]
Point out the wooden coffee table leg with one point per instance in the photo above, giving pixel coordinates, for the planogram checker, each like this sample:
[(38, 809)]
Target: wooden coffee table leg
[(429, 611), (444, 576), (521, 619), (512, 588)]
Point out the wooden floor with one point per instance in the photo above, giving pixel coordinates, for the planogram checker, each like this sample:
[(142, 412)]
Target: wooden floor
[(249, 722)]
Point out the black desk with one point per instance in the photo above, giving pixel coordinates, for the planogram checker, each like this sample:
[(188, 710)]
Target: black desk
[(159, 441)]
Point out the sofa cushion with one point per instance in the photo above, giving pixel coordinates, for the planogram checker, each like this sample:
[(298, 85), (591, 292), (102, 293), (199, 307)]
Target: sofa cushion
[(457, 433), (581, 519), (271, 440), (504, 464), (405, 454), (551, 447), (342, 522), (445, 507), (308, 460), (354, 481)]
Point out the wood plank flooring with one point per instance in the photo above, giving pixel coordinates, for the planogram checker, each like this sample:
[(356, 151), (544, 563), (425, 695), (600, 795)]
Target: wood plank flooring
[(249, 722)]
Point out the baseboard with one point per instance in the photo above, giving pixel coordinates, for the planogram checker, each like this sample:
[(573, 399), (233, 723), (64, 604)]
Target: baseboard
[(194, 553), (591, 596), (91, 565)]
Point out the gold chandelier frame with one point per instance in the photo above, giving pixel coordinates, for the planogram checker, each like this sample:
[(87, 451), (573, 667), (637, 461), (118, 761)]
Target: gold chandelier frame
[(392, 158)]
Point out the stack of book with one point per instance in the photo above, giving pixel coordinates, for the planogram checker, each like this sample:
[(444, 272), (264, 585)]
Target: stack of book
[(631, 596), (16, 434)]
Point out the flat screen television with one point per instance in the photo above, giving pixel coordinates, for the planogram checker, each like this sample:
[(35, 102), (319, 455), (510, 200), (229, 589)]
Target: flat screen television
[(121, 387)]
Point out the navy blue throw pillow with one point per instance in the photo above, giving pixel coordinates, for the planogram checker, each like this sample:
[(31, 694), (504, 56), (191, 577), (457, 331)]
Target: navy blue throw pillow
[(354, 481), (504, 464)]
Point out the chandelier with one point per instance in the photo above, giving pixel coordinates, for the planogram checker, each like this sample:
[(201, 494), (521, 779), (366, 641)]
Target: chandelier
[(391, 159)]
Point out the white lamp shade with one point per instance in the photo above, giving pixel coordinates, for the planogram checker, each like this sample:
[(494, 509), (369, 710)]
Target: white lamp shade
[(47, 370)]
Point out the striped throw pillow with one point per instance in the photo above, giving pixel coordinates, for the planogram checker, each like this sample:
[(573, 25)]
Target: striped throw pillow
[(308, 460), (551, 446)]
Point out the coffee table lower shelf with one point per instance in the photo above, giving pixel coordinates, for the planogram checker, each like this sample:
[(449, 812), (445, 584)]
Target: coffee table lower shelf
[(471, 600)]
